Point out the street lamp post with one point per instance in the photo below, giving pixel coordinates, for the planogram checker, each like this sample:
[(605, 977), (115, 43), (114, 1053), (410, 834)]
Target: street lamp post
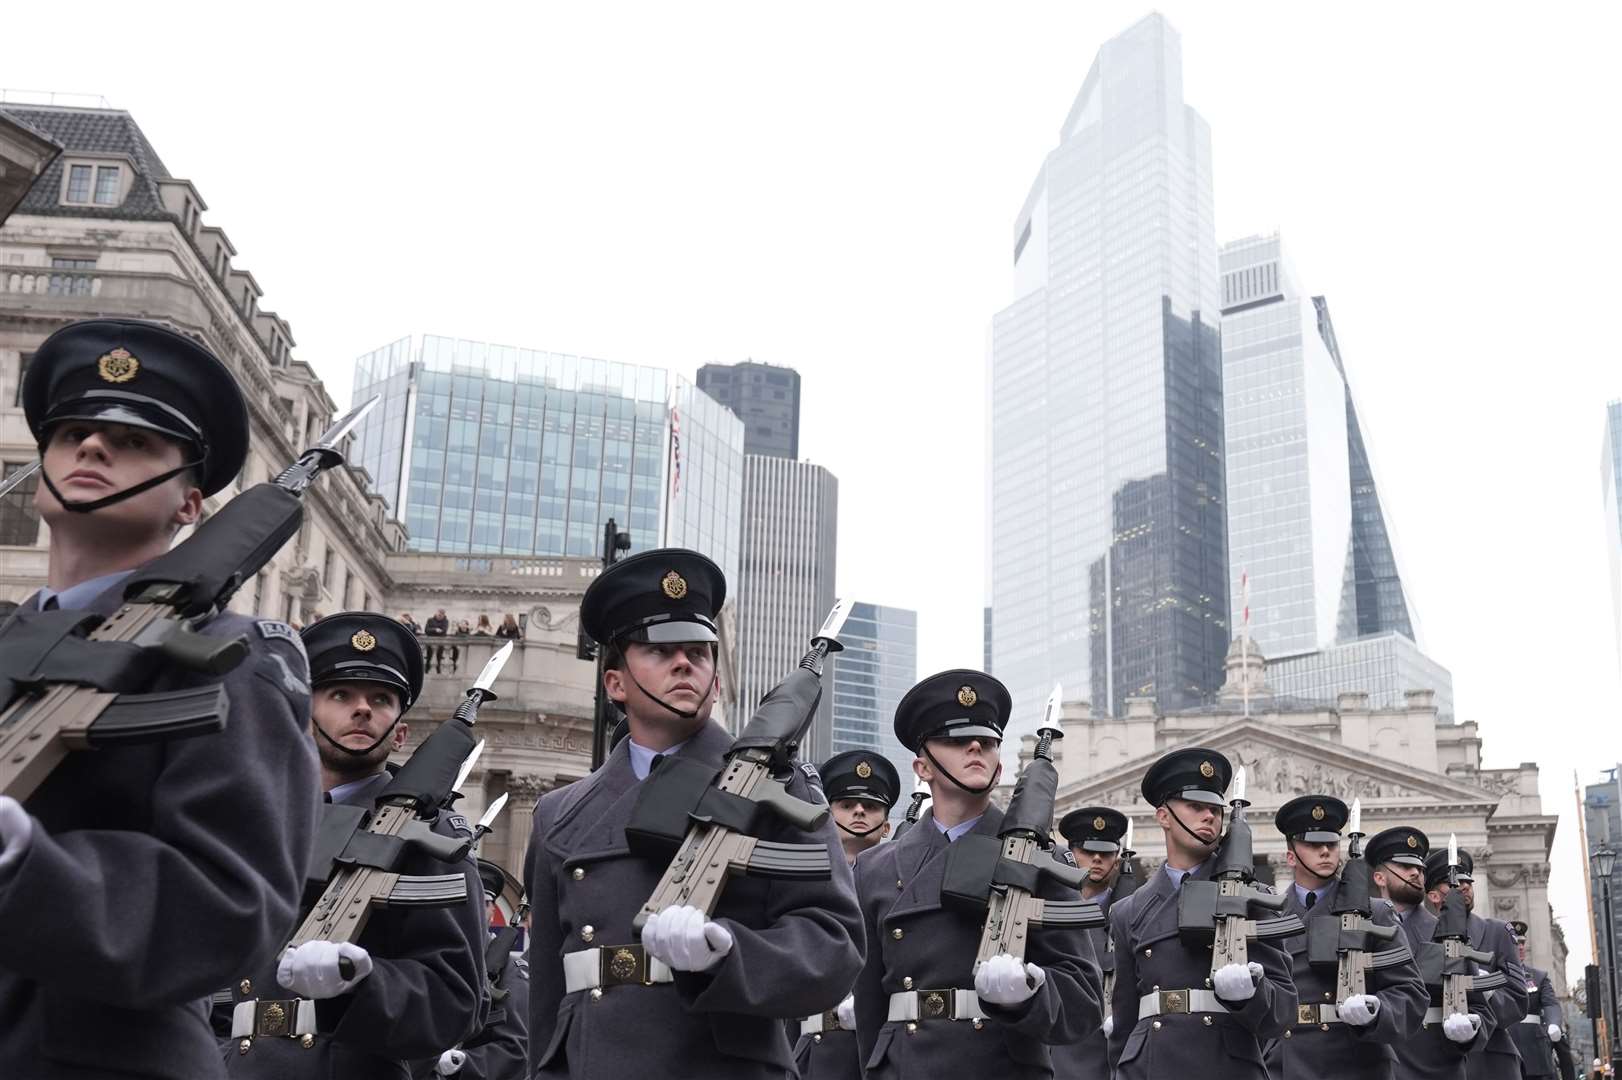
[(604, 716), (1604, 865)]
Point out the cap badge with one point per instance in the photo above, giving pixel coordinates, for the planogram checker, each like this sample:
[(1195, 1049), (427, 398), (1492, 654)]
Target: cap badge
[(117, 366), (674, 585), (1413, 841), (966, 696), (363, 641), (1207, 770), (863, 769), (1317, 813), (1098, 823)]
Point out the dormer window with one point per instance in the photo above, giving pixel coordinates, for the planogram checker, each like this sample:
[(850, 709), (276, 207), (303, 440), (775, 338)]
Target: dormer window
[(95, 183)]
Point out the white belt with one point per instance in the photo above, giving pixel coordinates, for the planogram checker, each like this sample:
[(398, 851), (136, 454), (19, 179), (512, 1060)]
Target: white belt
[(1532, 1018), (1317, 1014), (1179, 1001), (1433, 1015), (936, 1005), (612, 965), (816, 1025), (287, 1018)]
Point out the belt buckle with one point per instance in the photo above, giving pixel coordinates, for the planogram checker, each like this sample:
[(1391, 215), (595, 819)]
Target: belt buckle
[(830, 1021), (274, 1019), (1306, 1014), (1173, 1001), (936, 1004), (622, 965)]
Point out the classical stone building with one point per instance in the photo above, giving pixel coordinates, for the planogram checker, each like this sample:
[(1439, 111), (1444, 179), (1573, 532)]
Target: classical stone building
[(106, 231), (1406, 764)]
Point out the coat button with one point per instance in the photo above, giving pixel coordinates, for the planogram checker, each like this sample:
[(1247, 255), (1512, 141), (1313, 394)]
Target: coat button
[(816, 1038), (307, 1042), (1323, 1027), (596, 993), (1207, 1020), (1286, 1033), (1326, 995), (1208, 982), (587, 933), (1155, 1025), (896, 933), (912, 1029), (898, 884), (244, 1046), (978, 1023), (1155, 989), (579, 873), (246, 986), (1148, 952), (906, 983)]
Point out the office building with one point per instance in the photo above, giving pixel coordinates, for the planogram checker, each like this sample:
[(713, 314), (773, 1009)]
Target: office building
[(877, 668), (765, 397)]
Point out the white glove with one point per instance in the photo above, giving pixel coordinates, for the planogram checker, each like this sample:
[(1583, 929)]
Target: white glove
[(450, 1062), (16, 830), (846, 1011), (1002, 980), (685, 939), (311, 970), (1236, 982), (1461, 1027), (1109, 1025), (1555, 1033), (1359, 1010)]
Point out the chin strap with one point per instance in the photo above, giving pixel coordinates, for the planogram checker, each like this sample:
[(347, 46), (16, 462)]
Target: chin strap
[(860, 835), (1301, 864), (88, 505), (1196, 836), (947, 773), (356, 753), (685, 714)]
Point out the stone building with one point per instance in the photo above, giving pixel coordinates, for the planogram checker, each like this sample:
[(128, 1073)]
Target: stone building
[(1407, 764)]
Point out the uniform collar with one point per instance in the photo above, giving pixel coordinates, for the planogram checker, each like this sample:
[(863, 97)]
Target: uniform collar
[(79, 596), (642, 757), (1301, 892), (960, 829), (1177, 875)]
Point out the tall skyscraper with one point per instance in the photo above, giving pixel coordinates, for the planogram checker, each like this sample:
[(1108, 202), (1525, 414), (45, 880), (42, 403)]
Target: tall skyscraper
[(1610, 469), (1327, 603), (786, 585), (765, 397), (879, 665), (1108, 553), (488, 449)]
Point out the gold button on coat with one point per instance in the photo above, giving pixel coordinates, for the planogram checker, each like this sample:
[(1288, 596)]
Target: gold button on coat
[(906, 983), (1155, 1025), (579, 873), (896, 933)]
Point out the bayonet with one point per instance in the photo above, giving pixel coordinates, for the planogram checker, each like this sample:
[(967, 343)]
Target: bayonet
[(488, 821), (467, 767), (834, 623)]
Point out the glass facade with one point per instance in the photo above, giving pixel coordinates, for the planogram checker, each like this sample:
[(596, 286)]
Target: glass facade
[(877, 668), (488, 449), (1610, 468), (1108, 557), (1385, 666)]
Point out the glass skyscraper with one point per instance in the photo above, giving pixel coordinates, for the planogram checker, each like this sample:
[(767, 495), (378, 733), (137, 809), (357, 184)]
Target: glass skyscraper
[(1610, 468), (877, 668), (1108, 552), (1383, 666), (493, 450)]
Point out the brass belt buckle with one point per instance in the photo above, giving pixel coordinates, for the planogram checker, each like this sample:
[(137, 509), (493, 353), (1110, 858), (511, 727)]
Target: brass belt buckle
[(622, 965), (1173, 1001), (830, 1021), (274, 1019), (1306, 1014), (936, 1004)]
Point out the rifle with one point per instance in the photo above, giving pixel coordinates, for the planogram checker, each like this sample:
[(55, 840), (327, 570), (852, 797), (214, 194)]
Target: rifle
[(1450, 961), (73, 680), (914, 811), (1352, 941), (358, 852), (1218, 912), (1001, 876), (709, 816)]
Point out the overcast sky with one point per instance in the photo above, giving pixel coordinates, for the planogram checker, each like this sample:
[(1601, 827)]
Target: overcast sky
[(832, 187)]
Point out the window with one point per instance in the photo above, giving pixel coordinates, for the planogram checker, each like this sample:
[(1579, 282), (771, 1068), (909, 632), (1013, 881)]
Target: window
[(78, 184), (19, 521), (71, 284), (106, 185)]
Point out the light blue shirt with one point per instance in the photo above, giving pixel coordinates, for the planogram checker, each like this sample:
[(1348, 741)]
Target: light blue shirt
[(642, 757), (959, 829), (1177, 875), (1301, 894), (343, 791), (77, 596)]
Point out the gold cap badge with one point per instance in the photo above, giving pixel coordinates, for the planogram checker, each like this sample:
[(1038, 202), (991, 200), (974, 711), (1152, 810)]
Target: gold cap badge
[(966, 696), (1207, 770), (117, 366), (363, 641), (1098, 823), (863, 769), (1317, 813), (674, 585), (1413, 841)]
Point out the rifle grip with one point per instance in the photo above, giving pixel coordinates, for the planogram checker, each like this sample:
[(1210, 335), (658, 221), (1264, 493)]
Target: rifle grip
[(202, 653), (773, 796)]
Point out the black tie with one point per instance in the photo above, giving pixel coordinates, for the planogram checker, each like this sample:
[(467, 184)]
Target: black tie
[(51, 603), (1312, 898)]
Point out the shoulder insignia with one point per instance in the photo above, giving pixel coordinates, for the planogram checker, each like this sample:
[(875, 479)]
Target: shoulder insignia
[(269, 628), (459, 823), (290, 680)]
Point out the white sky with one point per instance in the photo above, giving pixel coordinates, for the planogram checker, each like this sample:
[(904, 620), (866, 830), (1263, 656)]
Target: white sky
[(832, 187)]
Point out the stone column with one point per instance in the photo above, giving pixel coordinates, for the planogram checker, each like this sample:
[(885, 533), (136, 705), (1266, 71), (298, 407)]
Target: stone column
[(523, 792)]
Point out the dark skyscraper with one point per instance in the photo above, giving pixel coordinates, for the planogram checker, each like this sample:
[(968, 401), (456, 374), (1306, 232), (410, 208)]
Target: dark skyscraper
[(765, 398)]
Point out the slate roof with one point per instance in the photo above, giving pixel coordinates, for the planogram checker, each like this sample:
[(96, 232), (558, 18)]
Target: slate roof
[(93, 131)]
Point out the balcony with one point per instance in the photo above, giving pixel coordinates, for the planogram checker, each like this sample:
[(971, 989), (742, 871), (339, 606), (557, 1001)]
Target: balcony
[(78, 293), (542, 677)]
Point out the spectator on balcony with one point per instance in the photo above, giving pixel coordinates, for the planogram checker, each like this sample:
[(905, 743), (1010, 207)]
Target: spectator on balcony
[(509, 628), (463, 629), (439, 626), (409, 623), (484, 626)]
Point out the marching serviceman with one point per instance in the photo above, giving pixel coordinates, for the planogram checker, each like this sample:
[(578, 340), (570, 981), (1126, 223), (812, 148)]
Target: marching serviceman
[(1437, 1050), (501, 1050), (1094, 834), (861, 788), (138, 878), (697, 995), (1544, 1024), (921, 1008), (1492, 1054), (1172, 1016), (417, 980), (1359, 1037)]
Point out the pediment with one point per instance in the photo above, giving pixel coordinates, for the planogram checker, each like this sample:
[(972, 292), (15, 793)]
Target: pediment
[(1281, 764)]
